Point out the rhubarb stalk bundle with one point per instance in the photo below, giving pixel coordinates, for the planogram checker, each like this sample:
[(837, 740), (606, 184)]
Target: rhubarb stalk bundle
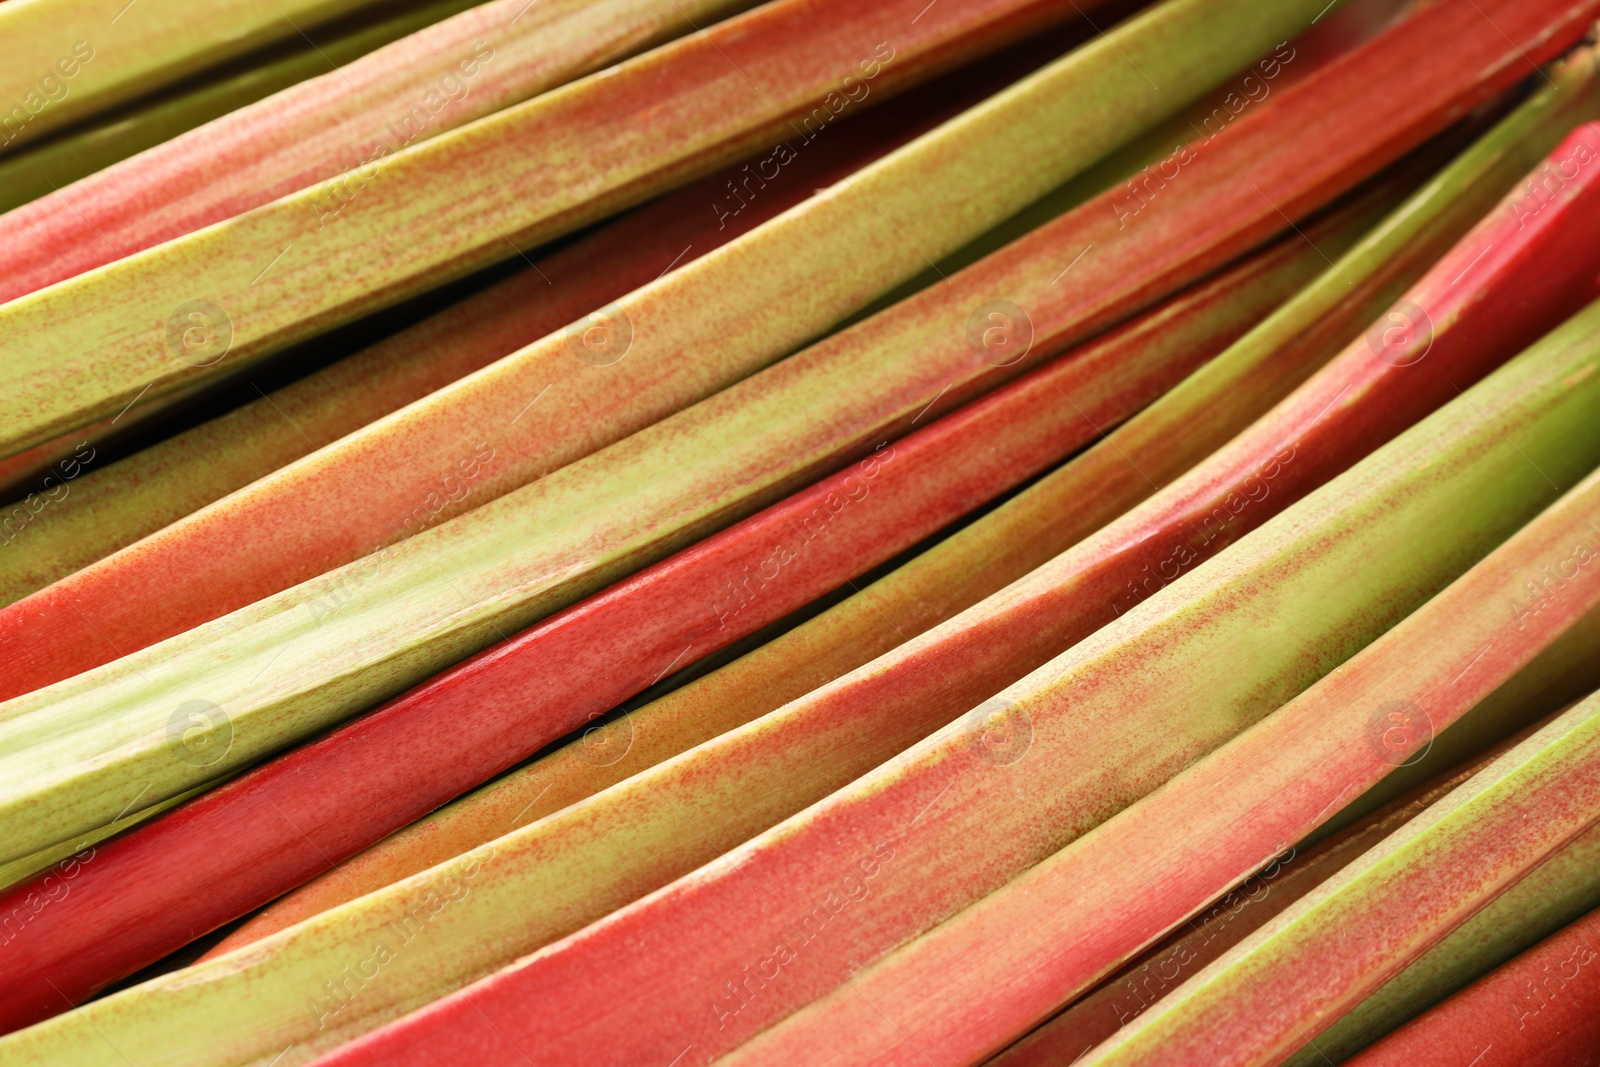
[(518, 558), (292, 818), (1024, 533), (1184, 628), (444, 76), (102, 511), (1041, 940)]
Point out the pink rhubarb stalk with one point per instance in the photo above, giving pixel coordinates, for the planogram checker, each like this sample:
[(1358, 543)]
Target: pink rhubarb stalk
[(1361, 399), (292, 818)]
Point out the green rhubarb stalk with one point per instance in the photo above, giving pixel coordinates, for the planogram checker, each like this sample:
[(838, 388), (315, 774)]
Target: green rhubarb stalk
[(1278, 989), (407, 219), (69, 59), (298, 661), (37, 169)]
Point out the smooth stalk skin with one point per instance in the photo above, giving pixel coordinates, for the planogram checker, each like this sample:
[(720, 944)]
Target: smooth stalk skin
[(307, 658), (1091, 490), (761, 297), (406, 218), (42, 168), (1221, 925), (69, 59), (136, 901), (1540, 1010), (438, 78), (960, 813), (551, 877), (100, 512), (988, 974), (292, 818), (1275, 991)]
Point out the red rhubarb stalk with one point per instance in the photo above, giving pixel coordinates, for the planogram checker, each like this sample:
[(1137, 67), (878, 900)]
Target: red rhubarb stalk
[(292, 818), (1359, 400)]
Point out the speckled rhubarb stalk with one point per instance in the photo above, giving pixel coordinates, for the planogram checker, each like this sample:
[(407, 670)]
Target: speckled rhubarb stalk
[(676, 341), (954, 817), (437, 79), (39, 169), (290, 818), (102, 511), (69, 59), (1278, 989), (1024, 533), (1542, 1009), (986, 975), (404, 219), (309, 657), (293, 817)]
